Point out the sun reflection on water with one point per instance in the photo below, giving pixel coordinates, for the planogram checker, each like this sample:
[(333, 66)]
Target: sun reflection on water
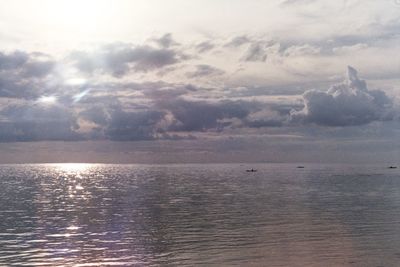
[(73, 167)]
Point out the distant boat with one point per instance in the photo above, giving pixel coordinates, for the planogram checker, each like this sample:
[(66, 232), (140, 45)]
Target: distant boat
[(392, 167), (251, 170), (300, 167)]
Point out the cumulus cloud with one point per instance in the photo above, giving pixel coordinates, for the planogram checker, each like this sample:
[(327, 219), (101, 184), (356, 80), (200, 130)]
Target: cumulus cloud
[(346, 104)]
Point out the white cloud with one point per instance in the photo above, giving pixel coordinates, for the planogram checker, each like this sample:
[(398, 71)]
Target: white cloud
[(346, 104)]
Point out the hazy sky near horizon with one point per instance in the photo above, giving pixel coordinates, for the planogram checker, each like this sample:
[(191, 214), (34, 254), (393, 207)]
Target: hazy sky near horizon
[(210, 80)]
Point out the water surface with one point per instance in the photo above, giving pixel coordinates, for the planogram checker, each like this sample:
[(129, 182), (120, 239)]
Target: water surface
[(189, 215)]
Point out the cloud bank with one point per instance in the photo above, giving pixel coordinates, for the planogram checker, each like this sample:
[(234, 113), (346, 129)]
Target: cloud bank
[(166, 89)]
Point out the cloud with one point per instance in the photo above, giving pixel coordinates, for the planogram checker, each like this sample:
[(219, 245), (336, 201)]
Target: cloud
[(256, 52), (296, 2), (118, 59), (24, 75), (191, 116), (32, 122), (165, 41), (301, 50), (238, 41), (204, 46), (203, 70), (264, 118), (130, 126), (142, 107), (346, 104), (14, 60)]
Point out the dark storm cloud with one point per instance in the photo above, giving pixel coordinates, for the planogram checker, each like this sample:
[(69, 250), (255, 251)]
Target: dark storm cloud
[(346, 104), (204, 70), (119, 58)]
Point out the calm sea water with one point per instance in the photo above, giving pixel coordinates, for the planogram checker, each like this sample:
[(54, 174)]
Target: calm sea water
[(189, 215)]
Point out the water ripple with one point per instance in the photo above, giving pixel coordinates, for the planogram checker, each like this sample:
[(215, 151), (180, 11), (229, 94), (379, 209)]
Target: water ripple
[(213, 215)]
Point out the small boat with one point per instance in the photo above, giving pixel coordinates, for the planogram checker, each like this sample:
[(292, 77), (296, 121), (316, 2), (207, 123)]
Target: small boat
[(251, 170), (300, 167), (392, 167)]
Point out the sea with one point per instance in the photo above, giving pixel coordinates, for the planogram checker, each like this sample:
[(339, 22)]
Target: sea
[(199, 215)]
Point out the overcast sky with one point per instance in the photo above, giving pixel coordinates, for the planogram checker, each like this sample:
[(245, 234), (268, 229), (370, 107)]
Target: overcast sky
[(199, 81)]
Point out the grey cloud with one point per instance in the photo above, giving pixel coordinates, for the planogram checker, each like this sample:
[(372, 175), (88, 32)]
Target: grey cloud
[(125, 126), (98, 114), (300, 50), (203, 70), (118, 59), (255, 52), (165, 41), (169, 111), (374, 33), (238, 41), (287, 3), (13, 60), (38, 69), (204, 46), (27, 64), (31, 122), (164, 113), (260, 123), (346, 104), (203, 116), (266, 117), (22, 75)]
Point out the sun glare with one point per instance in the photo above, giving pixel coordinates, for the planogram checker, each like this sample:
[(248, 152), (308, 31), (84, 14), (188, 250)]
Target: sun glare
[(73, 167)]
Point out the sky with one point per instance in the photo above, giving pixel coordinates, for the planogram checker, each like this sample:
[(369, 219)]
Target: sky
[(155, 81)]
